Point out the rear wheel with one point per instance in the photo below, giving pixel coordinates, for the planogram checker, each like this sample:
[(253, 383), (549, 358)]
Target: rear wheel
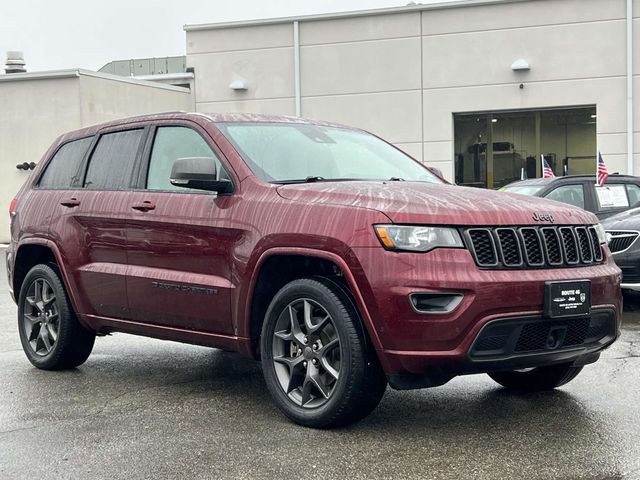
[(537, 379), (49, 331), (316, 362)]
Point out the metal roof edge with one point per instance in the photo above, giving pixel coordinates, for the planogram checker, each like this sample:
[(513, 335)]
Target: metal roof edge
[(132, 80), (78, 72), (44, 75), (348, 14)]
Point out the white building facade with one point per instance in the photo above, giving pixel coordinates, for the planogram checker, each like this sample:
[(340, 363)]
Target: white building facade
[(35, 108), (478, 89)]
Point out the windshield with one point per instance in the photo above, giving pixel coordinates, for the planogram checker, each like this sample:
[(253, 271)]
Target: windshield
[(297, 152), (524, 189)]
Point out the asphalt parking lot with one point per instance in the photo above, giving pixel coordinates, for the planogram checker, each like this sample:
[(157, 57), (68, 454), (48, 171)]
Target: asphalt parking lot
[(142, 408)]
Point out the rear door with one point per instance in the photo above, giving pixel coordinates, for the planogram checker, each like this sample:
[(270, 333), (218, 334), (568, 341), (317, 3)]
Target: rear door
[(180, 241), (90, 223)]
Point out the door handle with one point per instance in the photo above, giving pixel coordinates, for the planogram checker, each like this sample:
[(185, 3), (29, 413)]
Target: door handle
[(143, 206), (72, 202)]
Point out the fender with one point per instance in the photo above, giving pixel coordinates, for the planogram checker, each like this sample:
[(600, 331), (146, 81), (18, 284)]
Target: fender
[(309, 252), (61, 266)]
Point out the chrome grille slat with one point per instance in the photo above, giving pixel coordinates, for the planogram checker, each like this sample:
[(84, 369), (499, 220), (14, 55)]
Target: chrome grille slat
[(621, 240), (533, 246)]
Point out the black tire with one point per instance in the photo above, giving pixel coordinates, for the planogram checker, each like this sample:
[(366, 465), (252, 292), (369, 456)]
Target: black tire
[(360, 382), (72, 343), (538, 379)]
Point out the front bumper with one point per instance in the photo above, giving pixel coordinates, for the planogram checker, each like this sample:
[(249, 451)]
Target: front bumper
[(440, 345), (629, 263)]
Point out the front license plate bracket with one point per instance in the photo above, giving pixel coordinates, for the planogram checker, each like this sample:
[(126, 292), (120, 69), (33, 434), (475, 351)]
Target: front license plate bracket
[(567, 299)]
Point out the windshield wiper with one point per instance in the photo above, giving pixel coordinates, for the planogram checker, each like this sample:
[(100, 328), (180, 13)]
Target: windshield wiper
[(396, 179), (314, 178)]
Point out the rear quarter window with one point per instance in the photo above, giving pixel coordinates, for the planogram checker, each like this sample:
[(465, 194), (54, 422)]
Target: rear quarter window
[(64, 169)]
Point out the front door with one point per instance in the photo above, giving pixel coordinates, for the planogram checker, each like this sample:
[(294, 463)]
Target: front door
[(180, 241)]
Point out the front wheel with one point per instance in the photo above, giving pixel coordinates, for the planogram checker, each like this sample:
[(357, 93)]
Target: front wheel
[(51, 336), (316, 362), (537, 379)]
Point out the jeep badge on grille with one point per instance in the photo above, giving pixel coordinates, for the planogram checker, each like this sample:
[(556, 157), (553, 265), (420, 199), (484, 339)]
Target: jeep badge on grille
[(542, 217)]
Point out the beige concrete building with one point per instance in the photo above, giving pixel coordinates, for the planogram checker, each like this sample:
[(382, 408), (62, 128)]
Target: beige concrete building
[(37, 107), (478, 89)]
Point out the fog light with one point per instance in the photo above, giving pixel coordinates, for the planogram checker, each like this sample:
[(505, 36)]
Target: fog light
[(435, 302)]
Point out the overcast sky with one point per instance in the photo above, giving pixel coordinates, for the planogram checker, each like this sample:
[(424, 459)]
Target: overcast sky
[(88, 34)]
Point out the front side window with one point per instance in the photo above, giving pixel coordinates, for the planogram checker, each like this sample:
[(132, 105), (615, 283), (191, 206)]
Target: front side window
[(64, 168), (296, 152), (111, 165), (571, 194), (170, 144)]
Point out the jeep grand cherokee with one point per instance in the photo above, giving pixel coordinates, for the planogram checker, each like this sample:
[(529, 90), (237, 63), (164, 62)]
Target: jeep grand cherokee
[(336, 259)]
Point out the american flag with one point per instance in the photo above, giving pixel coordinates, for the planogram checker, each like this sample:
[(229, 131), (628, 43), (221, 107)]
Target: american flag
[(546, 169), (601, 171)]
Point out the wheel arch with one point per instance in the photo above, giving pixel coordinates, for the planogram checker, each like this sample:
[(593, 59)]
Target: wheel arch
[(300, 263), (35, 251)]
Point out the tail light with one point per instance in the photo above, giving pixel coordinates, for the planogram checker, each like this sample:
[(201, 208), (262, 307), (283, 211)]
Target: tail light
[(12, 208)]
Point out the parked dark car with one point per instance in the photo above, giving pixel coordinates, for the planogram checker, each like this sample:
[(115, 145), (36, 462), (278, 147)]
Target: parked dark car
[(329, 254), (622, 231), (619, 193)]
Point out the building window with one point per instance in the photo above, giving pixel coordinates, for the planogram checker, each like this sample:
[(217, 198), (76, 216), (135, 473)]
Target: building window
[(492, 149)]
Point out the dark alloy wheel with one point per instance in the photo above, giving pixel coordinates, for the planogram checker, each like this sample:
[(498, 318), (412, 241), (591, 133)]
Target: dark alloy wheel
[(306, 353), (40, 318), (537, 379), (51, 336), (317, 363)]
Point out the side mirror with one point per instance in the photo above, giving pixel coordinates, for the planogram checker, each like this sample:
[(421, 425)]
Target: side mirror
[(198, 173)]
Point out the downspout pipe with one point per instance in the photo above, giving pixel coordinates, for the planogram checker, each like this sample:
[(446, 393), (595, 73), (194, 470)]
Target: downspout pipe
[(296, 66), (630, 169)]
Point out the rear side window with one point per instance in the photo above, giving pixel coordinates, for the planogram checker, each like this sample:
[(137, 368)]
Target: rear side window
[(113, 160), (64, 168)]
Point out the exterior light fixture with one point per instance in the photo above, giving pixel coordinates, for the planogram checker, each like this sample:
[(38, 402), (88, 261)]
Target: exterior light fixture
[(520, 65), (238, 85)]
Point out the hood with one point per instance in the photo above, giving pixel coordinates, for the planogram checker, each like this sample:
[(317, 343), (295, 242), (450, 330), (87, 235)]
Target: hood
[(628, 220), (428, 203)]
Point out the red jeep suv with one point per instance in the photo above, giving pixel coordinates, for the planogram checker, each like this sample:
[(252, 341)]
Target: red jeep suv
[(333, 257)]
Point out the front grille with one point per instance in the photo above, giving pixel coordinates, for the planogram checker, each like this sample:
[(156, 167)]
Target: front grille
[(528, 335), (534, 335), (483, 246), (630, 274), (621, 240), (534, 247)]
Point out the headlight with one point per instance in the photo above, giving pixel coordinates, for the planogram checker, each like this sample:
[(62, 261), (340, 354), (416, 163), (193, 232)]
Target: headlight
[(417, 238), (602, 235)]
